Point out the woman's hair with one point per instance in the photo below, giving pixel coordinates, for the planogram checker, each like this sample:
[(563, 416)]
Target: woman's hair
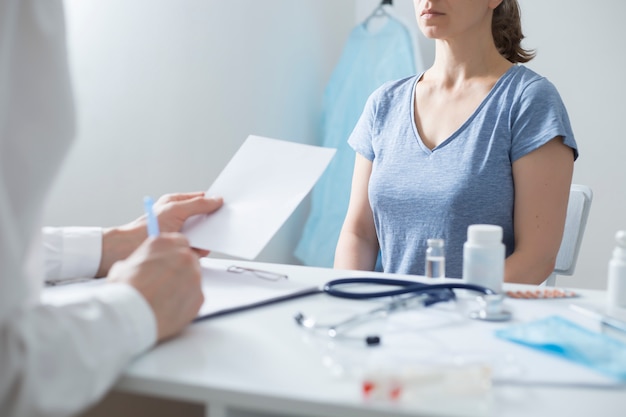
[(506, 27)]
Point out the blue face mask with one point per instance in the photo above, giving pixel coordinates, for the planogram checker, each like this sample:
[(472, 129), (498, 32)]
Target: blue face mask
[(561, 337)]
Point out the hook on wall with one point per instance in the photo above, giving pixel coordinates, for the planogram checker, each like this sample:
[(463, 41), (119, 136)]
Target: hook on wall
[(380, 11)]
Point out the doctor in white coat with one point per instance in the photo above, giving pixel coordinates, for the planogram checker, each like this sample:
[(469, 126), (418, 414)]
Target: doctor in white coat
[(56, 361)]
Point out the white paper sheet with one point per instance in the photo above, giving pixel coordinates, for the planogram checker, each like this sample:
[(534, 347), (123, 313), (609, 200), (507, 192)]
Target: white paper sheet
[(262, 185)]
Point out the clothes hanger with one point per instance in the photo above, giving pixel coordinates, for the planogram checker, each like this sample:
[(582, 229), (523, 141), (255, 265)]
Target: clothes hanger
[(379, 11)]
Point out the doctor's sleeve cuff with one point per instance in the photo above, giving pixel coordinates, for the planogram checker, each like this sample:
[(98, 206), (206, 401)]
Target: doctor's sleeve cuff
[(71, 252)]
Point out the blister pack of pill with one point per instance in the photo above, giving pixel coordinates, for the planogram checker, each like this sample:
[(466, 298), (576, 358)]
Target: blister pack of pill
[(542, 293)]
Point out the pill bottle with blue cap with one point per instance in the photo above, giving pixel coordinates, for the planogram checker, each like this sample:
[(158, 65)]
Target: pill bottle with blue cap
[(483, 256)]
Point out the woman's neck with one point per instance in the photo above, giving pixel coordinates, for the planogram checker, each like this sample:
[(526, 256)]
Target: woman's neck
[(457, 61)]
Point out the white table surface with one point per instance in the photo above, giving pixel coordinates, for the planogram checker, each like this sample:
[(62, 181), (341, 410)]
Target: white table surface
[(259, 362)]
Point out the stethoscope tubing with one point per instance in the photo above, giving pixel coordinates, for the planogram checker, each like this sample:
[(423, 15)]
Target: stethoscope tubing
[(408, 287)]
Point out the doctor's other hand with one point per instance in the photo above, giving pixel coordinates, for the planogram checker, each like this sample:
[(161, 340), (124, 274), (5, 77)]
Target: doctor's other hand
[(166, 272), (171, 211)]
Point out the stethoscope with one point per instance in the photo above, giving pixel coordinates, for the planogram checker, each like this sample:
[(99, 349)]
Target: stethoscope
[(410, 294)]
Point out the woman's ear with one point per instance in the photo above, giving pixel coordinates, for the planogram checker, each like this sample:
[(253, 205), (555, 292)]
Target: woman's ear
[(494, 3)]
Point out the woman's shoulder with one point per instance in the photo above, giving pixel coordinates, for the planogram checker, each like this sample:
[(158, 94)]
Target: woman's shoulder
[(525, 80), (399, 86), (392, 92)]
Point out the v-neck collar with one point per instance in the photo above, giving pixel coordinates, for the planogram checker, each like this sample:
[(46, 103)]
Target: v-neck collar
[(461, 128)]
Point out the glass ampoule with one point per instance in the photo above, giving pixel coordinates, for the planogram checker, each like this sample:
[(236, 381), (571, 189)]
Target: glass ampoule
[(435, 259)]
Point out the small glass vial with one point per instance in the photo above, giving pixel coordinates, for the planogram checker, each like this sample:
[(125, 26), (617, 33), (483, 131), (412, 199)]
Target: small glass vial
[(435, 259), (483, 256)]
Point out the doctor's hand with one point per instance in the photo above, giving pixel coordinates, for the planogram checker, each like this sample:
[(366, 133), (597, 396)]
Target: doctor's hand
[(166, 272), (171, 211)]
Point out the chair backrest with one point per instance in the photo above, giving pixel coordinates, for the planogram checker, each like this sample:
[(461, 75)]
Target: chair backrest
[(580, 198)]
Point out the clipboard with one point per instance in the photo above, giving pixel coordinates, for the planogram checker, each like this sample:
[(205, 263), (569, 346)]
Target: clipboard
[(226, 292)]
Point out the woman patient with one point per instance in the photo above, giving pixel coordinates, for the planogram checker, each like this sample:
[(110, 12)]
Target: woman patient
[(476, 138)]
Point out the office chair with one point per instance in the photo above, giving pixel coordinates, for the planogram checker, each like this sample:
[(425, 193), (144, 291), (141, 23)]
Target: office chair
[(580, 198)]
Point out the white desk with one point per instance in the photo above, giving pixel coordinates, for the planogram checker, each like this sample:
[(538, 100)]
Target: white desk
[(257, 363)]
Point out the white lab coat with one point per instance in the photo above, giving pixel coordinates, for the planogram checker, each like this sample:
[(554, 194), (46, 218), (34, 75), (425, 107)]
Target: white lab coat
[(54, 361)]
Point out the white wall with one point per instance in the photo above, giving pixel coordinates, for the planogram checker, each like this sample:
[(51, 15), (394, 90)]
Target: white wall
[(168, 90)]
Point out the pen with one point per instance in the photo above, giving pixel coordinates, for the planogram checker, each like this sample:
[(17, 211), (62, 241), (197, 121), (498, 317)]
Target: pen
[(603, 318), (153, 224)]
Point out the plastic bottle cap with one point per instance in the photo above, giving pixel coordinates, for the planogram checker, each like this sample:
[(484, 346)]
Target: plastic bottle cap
[(435, 243), (619, 252), (484, 233)]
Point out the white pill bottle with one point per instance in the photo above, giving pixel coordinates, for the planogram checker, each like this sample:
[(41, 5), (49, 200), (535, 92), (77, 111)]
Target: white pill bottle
[(483, 256)]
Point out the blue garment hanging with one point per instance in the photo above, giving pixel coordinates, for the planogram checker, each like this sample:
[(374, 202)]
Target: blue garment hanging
[(369, 59)]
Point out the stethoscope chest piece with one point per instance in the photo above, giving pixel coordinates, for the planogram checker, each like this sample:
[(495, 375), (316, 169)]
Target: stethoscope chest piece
[(491, 308)]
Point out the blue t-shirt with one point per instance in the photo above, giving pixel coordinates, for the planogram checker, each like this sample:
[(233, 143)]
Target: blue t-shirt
[(416, 193)]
